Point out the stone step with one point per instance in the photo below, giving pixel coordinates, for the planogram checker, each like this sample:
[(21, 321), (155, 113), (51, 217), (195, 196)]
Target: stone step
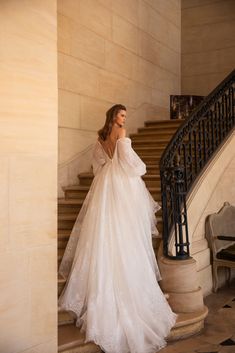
[(69, 205), (150, 159), (164, 123), (69, 208), (63, 237), (62, 201), (71, 340), (68, 216), (152, 180), (188, 324), (142, 147), (164, 130), (150, 140), (76, 191), (85, 178), (148, 150), (156, 141), (65, 317), (153, 135), (66, 220), (63, 234)]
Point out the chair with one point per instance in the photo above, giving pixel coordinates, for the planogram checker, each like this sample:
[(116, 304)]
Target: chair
[(220, 234)]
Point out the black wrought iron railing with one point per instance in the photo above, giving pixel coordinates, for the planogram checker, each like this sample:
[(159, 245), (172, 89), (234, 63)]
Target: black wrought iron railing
[(190, 149)]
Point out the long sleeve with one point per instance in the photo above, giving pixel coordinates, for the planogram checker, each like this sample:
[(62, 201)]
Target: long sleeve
[(129, 159), (98, 159)]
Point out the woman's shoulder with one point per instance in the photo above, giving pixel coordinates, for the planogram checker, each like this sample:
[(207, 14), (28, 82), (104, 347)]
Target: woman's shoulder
[(124, 140), (121, 132)]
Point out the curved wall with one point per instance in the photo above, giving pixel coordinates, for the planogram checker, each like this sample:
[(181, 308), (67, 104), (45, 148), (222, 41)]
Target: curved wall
[(214, 187)]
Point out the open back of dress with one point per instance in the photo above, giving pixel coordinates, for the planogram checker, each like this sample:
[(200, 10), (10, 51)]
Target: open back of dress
[(108, 146)]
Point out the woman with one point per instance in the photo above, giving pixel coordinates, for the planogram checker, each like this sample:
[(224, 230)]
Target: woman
[(109, 262)]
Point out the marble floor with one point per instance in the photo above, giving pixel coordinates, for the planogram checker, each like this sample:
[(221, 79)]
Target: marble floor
[(218, 334)]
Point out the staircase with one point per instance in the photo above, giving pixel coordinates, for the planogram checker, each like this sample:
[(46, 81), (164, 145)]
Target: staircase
[(149, 143)]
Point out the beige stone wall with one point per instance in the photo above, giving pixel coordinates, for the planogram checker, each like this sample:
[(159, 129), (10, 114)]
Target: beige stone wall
[(114, 51), (208, 44), (28, 176)]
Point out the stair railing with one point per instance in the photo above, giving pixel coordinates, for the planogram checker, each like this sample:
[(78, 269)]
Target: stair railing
[(188, 152)]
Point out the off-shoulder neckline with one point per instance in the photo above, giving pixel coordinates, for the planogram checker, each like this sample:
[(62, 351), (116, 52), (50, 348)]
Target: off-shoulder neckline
[(120, 138)]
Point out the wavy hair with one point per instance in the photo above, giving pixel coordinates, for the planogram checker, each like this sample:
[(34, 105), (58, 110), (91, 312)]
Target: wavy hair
[(110, 116)]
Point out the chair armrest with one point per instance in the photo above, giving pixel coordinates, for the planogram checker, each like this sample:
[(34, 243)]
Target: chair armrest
[(226, 237)]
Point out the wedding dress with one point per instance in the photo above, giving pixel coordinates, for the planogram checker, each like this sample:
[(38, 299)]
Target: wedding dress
[(109, 262)]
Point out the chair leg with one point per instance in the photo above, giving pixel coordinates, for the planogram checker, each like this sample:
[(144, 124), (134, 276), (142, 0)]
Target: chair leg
[(215, 277)]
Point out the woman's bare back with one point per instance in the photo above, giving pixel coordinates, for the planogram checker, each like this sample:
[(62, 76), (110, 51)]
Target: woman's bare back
[(110, 143)]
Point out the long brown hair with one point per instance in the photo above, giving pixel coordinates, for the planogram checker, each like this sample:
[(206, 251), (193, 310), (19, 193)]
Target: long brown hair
[(110, 116)]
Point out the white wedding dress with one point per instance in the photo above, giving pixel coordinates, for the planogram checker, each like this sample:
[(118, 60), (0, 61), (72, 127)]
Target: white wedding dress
[(109, 262)]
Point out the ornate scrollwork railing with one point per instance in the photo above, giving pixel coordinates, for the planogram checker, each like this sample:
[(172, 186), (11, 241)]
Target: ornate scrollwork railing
[(190, 149)]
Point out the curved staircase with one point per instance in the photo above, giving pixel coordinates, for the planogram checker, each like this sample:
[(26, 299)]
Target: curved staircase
[(149, 143)]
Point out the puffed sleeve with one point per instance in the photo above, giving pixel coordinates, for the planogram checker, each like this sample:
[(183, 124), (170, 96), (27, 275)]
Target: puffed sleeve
[(98, 159), (129, 159)]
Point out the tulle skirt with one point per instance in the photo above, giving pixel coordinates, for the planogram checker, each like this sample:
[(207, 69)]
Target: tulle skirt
[(111, 269)]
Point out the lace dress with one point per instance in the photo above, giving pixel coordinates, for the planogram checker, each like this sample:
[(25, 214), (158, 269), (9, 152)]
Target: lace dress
[(109, 262)]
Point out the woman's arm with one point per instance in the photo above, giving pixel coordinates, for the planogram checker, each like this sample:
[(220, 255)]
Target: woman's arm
[(129, 159)]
